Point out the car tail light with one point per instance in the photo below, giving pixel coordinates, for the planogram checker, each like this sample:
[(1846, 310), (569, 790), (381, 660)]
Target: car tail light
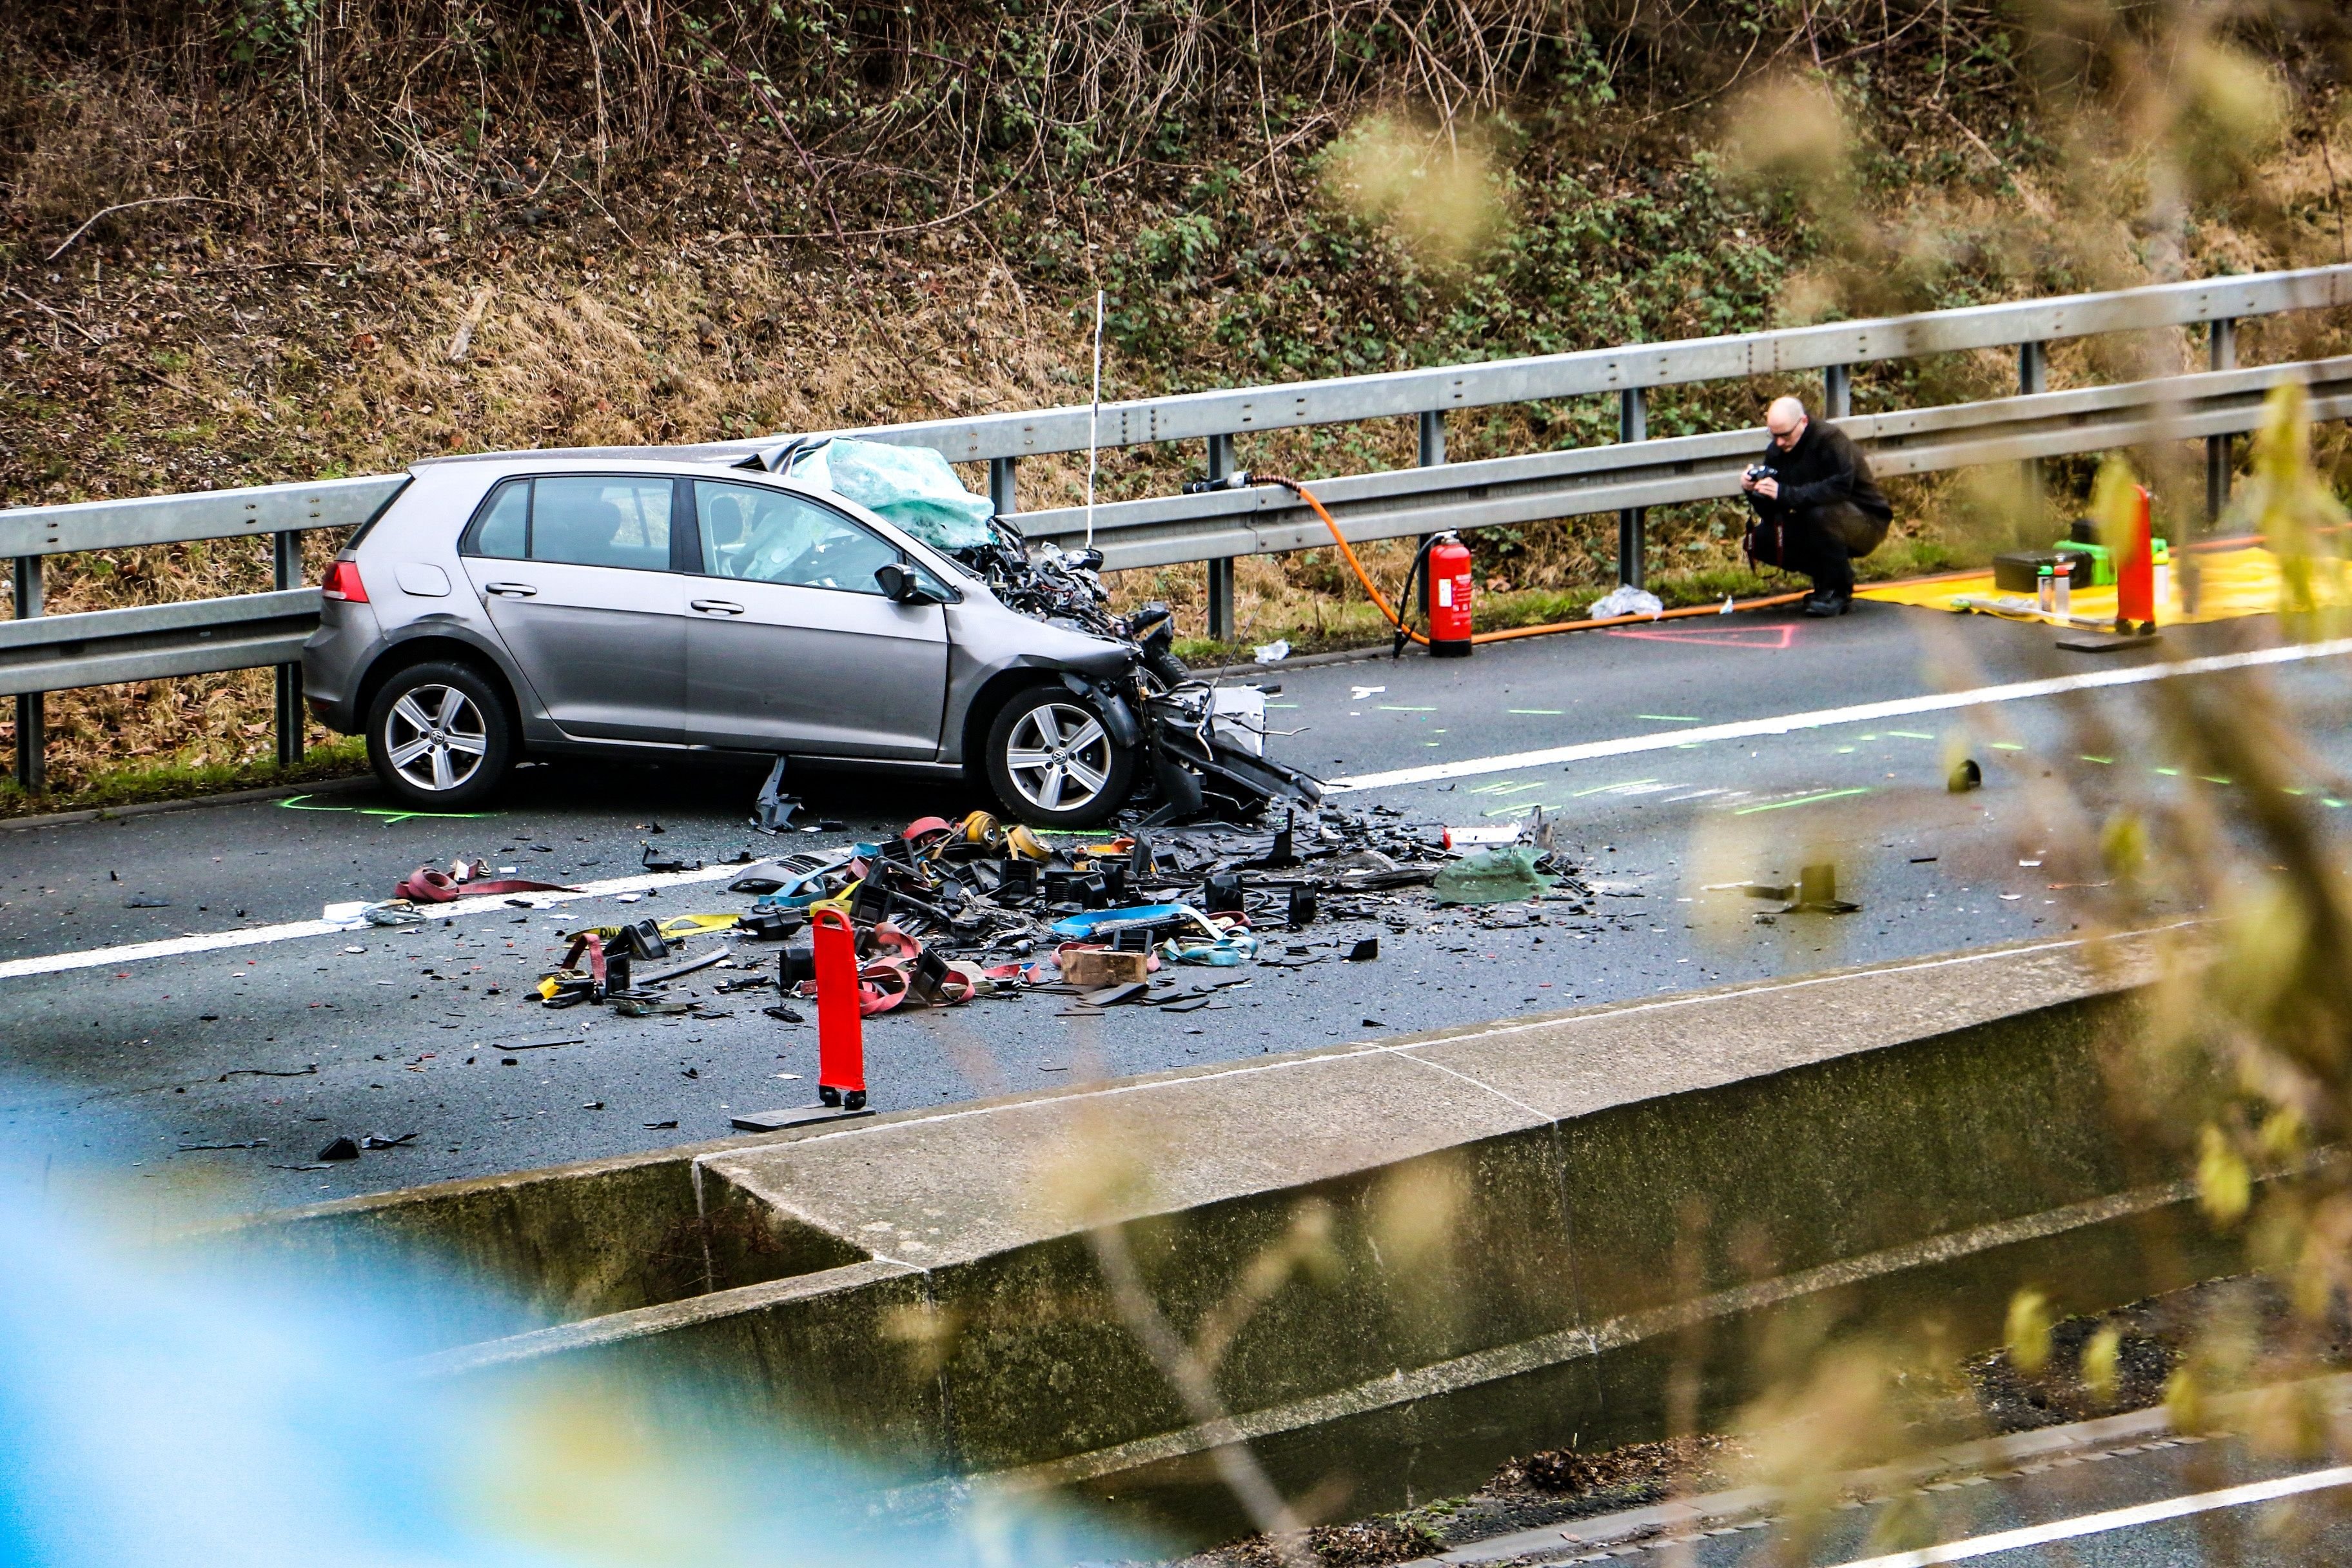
[(343, 582)]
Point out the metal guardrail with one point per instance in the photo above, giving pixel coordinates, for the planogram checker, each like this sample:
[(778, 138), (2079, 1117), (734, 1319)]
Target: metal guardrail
[(40, 653), (99, 647), (57, 652), (1582, 481), (1201, 415), (196, 636), (204, 514)]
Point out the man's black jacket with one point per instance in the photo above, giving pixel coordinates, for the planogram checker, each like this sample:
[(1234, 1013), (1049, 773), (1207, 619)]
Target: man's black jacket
[(1824, 467)]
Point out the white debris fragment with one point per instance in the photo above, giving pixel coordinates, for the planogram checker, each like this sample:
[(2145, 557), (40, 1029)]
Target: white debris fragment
[(1626, 600)]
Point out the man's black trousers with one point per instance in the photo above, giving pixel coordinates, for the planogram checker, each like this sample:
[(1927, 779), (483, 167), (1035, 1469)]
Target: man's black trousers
[(1821, 541)]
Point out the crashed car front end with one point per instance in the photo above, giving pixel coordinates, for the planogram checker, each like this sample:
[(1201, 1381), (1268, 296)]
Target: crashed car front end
[(1204, 752), (1200, 760)]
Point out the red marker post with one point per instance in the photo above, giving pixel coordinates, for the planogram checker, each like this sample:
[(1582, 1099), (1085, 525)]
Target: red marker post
[(840, 1033), (2136, 571)]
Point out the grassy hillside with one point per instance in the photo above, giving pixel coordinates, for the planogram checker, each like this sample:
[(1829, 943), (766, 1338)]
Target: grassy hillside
[(260, 239)]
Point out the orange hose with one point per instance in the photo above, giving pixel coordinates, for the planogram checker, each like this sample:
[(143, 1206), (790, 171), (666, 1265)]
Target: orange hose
[(1507, 633)]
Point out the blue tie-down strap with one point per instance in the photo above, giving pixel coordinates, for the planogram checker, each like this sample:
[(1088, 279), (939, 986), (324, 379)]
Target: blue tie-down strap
[(1097, 925), (797, 893)]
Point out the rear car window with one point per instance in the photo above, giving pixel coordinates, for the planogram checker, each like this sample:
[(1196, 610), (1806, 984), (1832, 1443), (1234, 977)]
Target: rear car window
[(504, 529), (760, 535), (580, 521), (599, 521)]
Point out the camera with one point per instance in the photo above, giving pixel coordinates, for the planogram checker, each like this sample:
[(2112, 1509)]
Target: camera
[(1762, 471)]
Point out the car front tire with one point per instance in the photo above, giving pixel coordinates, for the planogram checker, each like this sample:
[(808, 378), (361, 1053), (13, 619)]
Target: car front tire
[(439, 738), (1052, 763)]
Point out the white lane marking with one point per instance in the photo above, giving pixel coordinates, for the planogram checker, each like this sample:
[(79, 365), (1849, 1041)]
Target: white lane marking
[(1861, 712), (2115, 1519), (262, 936), (1468, 768)]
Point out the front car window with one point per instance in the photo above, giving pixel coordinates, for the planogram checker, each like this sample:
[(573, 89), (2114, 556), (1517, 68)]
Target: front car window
[(759, 535)]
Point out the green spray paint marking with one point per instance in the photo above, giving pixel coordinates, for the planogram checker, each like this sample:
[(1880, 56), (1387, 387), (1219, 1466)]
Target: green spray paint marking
[(294, 803), (1910, 735), (1546, 712), (2167, 773), (1806, 800), (2007, 746), (2102, 761), (1387, 708), (2215, 778), (1670, 718), (1620, 784)]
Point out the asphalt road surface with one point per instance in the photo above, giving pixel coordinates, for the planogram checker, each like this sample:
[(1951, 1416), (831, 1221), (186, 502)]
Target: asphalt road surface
[(215, 1077), (2158, 1503)]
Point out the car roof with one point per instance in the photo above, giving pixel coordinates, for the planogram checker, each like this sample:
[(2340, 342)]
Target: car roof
[(608, 459)]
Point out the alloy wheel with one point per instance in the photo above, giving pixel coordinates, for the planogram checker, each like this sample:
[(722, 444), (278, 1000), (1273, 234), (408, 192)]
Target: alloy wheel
[(435, 737), (1059, 756)]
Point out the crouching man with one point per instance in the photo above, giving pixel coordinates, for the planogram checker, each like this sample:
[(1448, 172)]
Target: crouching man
[(1816, 507)]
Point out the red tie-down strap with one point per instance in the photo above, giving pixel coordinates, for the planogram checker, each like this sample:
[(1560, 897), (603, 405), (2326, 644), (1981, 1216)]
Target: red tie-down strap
[(886, 976), (427, 886), (593, 945)]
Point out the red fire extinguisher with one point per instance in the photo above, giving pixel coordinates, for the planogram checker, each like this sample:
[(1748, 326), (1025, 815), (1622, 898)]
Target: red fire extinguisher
[(1451, 589)]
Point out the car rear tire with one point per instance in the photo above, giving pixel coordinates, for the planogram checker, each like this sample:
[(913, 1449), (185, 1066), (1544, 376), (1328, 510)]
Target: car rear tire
[(1052, 763), (439, 737)]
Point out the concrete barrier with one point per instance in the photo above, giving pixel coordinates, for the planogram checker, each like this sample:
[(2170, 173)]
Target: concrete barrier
[(1509, 1232)]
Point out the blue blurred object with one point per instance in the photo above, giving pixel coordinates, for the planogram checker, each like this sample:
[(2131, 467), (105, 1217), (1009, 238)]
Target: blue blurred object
[(157, 1411)]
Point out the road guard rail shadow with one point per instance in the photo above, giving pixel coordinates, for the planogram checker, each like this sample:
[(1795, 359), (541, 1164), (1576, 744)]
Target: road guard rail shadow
[(1498, 1212)]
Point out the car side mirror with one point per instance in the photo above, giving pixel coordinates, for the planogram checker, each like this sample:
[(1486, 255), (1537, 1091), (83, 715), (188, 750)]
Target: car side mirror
[(901, 585)]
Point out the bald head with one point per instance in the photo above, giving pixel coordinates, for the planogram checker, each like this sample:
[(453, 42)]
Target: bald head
[(1787, 421)]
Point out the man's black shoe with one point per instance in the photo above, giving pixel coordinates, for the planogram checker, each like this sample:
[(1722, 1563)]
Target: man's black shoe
[(1822, 606)]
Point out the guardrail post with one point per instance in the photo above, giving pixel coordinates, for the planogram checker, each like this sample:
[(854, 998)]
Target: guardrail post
[(286, 568), (1633, 424), (1221, 568), (1431, 454), (1837, 391), (2033, 376), (1000, 487), (2221, 353), (32, 717)]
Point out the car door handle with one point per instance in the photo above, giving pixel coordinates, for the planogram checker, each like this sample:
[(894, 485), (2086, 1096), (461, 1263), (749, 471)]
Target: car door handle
[(510, 590), (717, 607)]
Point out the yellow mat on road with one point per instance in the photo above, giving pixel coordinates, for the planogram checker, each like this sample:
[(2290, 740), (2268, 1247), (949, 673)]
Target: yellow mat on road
[(2233, 582)]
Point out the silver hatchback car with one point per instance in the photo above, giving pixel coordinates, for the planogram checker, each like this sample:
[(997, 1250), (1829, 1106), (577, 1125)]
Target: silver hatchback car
[(506, 606)]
